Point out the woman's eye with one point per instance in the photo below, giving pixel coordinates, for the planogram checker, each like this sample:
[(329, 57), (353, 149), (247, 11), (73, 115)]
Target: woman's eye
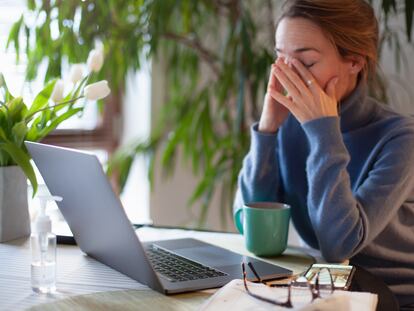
[(309, 65)]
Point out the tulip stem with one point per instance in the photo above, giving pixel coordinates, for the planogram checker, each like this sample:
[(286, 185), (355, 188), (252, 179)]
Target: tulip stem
[(57, 105)]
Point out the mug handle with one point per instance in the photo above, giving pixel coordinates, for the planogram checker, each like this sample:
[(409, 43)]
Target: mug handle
[(238, 220)]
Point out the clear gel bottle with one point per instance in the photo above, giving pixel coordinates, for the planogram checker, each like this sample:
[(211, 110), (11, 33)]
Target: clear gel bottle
[(43, 248)]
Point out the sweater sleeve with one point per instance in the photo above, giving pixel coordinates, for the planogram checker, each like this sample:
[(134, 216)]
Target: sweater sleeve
[(346, 221), (259, 177)]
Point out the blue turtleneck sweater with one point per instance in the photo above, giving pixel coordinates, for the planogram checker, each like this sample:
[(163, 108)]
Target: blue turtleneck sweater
[(350, 183)]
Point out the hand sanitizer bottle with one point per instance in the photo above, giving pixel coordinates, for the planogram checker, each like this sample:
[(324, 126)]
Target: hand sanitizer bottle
[(43, 247)]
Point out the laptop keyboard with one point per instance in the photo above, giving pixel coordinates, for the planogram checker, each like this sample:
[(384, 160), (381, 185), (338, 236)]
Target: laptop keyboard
[(176, 268)]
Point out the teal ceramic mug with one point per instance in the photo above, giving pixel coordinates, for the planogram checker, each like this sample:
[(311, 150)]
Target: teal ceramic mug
[(265, 227)]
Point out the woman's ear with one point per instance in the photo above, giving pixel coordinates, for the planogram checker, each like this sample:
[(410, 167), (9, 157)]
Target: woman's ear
[(356, 63)]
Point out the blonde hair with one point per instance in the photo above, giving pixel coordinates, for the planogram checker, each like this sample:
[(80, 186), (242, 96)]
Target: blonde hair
[(351, 25)]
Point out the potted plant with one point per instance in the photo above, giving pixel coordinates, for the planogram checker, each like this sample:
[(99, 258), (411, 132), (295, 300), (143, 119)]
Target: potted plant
[(19, 123)]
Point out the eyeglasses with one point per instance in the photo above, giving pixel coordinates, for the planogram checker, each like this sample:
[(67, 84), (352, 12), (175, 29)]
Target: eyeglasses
[(322, 287)]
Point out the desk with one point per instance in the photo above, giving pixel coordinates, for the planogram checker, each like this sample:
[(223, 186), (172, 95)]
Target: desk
[(85, 284)]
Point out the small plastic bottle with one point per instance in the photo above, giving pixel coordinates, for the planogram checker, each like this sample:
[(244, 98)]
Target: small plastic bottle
[(43, 247)]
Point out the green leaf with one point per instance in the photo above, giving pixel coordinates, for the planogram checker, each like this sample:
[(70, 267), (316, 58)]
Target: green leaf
[(3, 135), (19, 132), (120, 163), (42, 99), (34, 129), (80, 87), (5, 159), (22, 159), (31, 4), (124, 171), (7, 96), (55, 122), (4, 119), (169, 153), (14, 37), (198, 192), (17, 109)]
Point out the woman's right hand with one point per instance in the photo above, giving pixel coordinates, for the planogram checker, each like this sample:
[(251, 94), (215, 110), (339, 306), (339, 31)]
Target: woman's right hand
[(274, 113)]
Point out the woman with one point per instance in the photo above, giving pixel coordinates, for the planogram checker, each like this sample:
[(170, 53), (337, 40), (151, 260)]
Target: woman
[(344, 162)]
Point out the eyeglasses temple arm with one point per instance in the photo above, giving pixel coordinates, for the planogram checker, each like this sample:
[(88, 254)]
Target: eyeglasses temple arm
[(255, 273)]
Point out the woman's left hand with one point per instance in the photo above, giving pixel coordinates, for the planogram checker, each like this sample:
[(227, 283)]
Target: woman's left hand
[(306, 100)]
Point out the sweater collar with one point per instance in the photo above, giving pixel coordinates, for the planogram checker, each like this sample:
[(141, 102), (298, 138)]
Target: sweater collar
[(354, 110)]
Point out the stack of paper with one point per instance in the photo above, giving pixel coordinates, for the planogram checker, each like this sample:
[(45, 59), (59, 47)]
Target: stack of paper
[(233, 296)]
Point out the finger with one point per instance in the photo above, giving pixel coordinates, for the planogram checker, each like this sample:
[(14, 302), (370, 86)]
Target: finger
[(295, 79), (285, 101), (331, 88), (306, 76), (277, 84), (280, 59), (286, 83), (273, 82)]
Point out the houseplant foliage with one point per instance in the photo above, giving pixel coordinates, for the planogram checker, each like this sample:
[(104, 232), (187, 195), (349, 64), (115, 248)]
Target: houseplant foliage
[(19, 122), (216, 53)]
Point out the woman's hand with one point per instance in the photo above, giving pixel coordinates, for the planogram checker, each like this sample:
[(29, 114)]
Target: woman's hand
[(273, 113), (306, 100)]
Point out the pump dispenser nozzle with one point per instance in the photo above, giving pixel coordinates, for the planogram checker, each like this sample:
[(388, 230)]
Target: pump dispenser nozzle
[(43, 223)]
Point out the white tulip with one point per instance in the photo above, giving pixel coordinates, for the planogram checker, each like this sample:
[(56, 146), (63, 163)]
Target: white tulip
[(95, 60), (97, 90), (57, 94), (76, 73)]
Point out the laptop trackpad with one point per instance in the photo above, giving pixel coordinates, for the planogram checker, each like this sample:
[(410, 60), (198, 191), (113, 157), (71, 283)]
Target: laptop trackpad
[(210, 255)]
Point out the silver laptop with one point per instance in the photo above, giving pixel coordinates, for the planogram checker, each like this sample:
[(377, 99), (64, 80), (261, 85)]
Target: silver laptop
[(102, 230)]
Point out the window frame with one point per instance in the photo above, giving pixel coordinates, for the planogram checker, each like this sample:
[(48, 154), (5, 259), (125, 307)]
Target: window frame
[(106, 135)]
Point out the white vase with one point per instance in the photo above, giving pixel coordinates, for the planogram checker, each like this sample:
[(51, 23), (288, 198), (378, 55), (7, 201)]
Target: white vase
[(14, 211)]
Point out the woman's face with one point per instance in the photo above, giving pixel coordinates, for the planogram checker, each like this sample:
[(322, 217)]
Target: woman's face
[(302, 39)]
